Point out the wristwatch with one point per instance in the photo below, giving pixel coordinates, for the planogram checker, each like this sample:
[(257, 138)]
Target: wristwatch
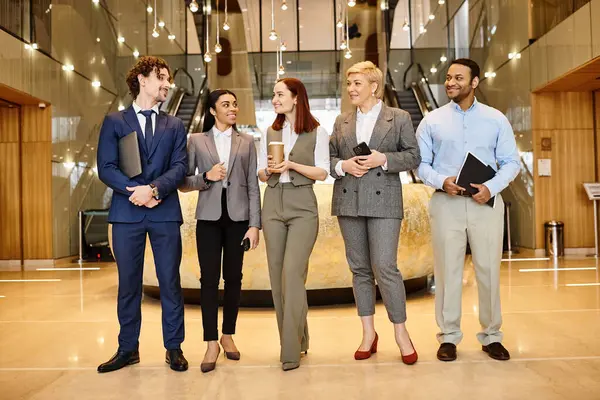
[(155, 193), (206, 180)]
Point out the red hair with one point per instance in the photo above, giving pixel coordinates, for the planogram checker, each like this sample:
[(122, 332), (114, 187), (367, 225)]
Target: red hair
[(305, 122)]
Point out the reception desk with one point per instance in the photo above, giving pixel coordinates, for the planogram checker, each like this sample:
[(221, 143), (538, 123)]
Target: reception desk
[(329, 277)]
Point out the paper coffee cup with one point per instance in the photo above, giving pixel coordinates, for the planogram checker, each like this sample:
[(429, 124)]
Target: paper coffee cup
[(276, 150)]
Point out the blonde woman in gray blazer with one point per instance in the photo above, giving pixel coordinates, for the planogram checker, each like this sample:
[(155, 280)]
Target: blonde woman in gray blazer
[(228, 212), (367, 199)]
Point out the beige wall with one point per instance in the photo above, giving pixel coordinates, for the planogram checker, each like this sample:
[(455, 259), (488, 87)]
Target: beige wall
[(570, 44), (78, 109)]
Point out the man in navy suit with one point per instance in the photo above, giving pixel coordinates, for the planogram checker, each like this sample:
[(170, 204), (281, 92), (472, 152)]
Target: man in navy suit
[(146, 204)]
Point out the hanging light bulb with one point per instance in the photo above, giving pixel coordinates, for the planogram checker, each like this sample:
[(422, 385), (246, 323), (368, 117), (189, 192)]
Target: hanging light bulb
[(441, 2), (405, 26), (348, 54), (283, 46), (161, 24), (284, 5), (207, 55), (273, 33), (155, 33), (194, 6), (226, 25), (351, 3), (171, 37), (149, 9), (343, 45), (136, 53), (281, 70), (218, 47), (339, 24)]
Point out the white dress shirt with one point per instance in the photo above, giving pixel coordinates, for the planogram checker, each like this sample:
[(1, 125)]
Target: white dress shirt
[(365, 124), (289, 138), (142, 119), (223, 144)]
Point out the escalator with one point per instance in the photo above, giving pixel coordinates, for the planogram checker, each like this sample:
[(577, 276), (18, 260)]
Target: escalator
[(187, 103), (408, 102)]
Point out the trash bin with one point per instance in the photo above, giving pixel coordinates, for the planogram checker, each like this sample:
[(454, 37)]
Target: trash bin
[(555, 239)]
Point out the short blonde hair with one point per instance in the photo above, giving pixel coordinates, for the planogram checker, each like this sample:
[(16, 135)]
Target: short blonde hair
[(371, 72)]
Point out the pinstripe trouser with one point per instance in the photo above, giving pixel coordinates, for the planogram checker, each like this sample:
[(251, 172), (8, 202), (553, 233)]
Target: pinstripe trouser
[(372, 252)]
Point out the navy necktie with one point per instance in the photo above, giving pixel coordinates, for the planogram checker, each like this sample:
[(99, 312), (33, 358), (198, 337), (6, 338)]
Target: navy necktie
[(148, 133)]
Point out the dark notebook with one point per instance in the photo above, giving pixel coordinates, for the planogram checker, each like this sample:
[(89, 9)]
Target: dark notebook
[(474, 170), (130, 162)]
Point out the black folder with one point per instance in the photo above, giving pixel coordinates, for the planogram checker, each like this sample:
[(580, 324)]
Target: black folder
[(476, 171), (130, 162)]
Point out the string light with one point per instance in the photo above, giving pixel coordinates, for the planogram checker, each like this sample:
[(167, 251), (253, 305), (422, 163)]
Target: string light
[(194, 6), (284, 5)]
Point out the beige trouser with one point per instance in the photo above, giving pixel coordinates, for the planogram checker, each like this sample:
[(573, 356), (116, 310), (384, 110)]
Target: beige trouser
[(454, 219), (290, 223)]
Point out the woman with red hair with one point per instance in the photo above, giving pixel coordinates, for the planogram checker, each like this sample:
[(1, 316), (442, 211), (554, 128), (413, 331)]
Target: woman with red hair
[(290, 213)]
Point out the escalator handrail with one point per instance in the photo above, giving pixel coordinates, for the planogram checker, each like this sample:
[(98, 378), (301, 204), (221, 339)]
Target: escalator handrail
[(198, 109), (189, 76), (423, 79)]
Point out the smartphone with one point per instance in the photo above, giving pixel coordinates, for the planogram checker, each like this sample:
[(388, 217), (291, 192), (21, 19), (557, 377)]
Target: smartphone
[(362, 149), (246, 244)]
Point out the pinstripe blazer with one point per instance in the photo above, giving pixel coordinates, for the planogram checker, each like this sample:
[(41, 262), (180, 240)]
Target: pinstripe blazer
[(378, 193)]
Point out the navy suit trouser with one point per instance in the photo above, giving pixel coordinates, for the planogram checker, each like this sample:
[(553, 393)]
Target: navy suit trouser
[(129, 244)]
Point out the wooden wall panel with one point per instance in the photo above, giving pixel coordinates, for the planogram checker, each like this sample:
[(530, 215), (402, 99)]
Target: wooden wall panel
[(36, 124), (567, 119), (565, 110), (10, 199), (10, 202), (597, 134), (9, 125), (37, 200), (36, 172)]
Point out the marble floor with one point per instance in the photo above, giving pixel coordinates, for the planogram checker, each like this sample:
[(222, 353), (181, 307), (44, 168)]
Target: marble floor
[(56, 328)]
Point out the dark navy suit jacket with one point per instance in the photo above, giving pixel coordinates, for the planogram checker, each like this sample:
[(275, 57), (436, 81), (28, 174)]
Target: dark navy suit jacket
[(164, 166)]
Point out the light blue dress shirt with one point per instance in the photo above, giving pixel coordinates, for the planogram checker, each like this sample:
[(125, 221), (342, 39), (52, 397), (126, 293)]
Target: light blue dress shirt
[(446, 134)]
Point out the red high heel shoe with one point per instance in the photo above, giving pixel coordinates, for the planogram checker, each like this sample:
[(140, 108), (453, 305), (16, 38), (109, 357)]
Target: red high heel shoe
[(411, 358), (363, 355)]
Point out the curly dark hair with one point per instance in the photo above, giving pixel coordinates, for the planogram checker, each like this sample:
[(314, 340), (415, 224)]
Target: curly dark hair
[(144, 66)]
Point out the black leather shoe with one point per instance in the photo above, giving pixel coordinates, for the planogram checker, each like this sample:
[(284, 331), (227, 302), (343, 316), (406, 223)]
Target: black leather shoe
[(447, 352), (176, 360), (119, 360), (496, 351)]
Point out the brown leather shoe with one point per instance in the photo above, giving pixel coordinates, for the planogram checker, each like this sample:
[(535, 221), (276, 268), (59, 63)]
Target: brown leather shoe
[(447, 352), (496, 351)]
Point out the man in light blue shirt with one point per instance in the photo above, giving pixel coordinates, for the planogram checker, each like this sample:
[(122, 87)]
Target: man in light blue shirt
[(445, 136)]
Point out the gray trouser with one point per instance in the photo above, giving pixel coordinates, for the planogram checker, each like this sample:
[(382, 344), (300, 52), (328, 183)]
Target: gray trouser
[(290, 223), (453, 220), (372, 252)]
